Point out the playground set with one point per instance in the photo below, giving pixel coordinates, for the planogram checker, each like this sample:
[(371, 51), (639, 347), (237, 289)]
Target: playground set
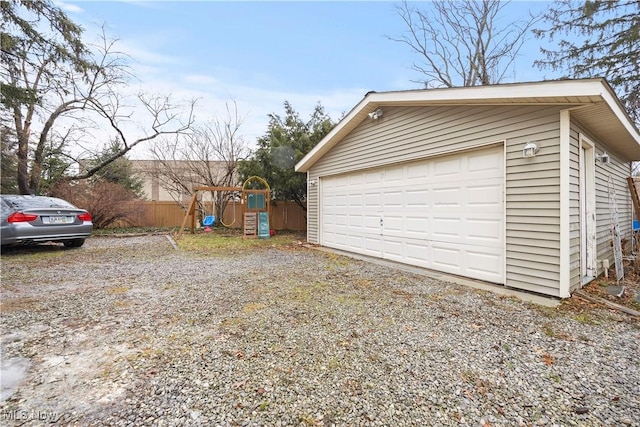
[(256, 208)]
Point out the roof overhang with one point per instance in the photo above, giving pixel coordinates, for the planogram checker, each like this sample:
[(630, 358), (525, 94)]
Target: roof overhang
[(592, 101)]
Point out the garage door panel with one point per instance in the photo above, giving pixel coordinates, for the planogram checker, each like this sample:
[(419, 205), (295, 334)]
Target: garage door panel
[(341, 232), (340, 183), (447, 197), (340, 219), (418, 253), (393, 249), (333, 240), (446, 257), (485, 229), (417, 198), (355, 179), (393, 176), (484, 161), (418, 172), (484, 195), (394, 199), (372, 245), (447, 167), (446, 228), (330, 202), (484, 263), (356, 221), (356, 200), (446, 213), (356, 241), (372, 223), (393, 223), (417, 226), (373, 177), (373, 200), (341, 202)]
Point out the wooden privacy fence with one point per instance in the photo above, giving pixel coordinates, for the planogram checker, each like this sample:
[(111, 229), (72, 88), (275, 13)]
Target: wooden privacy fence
[(284, 215)]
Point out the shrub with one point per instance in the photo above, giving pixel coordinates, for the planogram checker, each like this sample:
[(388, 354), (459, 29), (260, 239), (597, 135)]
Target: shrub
[(108, 203)]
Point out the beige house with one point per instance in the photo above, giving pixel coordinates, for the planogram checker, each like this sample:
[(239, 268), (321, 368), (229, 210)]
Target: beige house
[(515, 184), (159, 186)]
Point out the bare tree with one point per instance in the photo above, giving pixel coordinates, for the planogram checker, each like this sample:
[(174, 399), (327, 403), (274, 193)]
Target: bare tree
[(58, 94), (461, 43), (208, 156)]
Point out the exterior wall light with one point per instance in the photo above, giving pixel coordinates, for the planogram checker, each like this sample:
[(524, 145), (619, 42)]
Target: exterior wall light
[(313, 182), (602, 158), (375, 115), (530, 149)]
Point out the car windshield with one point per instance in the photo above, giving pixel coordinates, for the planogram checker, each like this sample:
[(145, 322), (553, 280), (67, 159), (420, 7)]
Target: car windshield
[(27, 202)]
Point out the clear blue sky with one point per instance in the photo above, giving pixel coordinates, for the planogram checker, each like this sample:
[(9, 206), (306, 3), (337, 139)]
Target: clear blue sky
[(260, 54)]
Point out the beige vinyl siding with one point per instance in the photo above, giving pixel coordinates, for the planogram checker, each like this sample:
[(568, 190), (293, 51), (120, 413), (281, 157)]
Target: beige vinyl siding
[(312, 208), (532, 186), (618, 170), (410, 133), (533, 207)]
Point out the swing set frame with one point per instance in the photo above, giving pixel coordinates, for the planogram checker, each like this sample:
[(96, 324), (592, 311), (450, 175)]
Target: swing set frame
[(191, 209)]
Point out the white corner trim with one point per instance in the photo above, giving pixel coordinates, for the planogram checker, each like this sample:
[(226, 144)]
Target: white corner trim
[(504, 212), (565, 225), (308, 192), (319, 211)]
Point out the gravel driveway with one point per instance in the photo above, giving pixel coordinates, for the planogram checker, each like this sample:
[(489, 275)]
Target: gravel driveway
[(129, 331)]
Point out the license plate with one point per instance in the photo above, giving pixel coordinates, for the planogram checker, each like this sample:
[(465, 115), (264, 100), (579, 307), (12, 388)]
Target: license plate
[(58, 220)]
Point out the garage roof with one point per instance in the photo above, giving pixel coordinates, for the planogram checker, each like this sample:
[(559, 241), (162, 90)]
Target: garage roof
[(592, 102)]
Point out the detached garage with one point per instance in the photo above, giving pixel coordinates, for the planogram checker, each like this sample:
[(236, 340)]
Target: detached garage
[(510, 184)]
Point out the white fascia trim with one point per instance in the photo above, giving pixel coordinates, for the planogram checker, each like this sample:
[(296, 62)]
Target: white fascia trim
[(611, 100), (534, 91), (307, 161), (565, 224)]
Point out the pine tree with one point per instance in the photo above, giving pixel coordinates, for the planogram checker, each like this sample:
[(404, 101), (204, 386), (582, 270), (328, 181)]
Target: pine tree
[(286, 141), (597, 39)]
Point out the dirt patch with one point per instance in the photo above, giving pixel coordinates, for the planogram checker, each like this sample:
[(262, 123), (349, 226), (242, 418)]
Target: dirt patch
[(603, 287)]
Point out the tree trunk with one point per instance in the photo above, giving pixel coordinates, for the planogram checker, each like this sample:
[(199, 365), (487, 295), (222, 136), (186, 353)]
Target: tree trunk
[(23, 166), (22, 153)]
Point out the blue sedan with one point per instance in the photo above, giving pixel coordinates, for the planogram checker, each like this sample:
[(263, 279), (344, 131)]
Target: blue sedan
[(37, 219)]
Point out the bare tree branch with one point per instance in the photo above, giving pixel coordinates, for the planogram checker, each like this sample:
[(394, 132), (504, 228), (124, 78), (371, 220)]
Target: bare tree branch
[(207, 156), (58, 81), (460, 43)]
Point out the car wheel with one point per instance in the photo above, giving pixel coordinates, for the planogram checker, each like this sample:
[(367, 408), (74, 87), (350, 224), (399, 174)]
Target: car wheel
[(75, 243)]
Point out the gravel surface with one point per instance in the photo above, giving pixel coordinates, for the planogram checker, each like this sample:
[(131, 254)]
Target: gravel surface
[(130, 332)]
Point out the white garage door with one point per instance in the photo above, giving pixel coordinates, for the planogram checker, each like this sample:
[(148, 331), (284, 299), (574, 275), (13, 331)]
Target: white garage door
[(445, 214)]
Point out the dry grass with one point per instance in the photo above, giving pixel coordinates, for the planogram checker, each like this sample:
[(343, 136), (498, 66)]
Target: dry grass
[(115, 290), (231, 243), (10, 305)]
